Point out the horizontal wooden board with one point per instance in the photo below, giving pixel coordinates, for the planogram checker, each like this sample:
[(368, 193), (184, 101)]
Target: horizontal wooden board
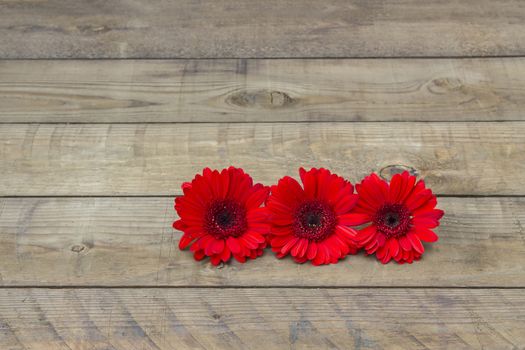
[(130, 242), (262, 90), (261, 319), (227, 28), (146, 159)]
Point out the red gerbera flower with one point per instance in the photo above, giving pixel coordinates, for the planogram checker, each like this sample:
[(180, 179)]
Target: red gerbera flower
[(311, 223), (401, 214), (220, 216)]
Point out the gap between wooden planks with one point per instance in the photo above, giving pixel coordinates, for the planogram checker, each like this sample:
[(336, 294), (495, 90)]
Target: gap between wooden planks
[(227, 28), (261, 318), (142, 159), (262, 90), (130, 242)]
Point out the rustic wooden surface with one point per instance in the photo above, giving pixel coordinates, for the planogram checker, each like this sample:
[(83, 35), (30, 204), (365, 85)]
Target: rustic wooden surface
[(262, 90), (253, 28), (92, 152), (129, 242), (261, 318), (154, 159)]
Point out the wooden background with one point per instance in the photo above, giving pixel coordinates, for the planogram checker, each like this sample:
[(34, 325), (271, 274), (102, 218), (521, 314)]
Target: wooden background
[(107, 106)]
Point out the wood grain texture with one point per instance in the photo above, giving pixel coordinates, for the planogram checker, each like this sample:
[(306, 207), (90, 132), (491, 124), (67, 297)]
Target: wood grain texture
[(227, 28), (262, 90), (145, 159), (130, 242), (134, 319)]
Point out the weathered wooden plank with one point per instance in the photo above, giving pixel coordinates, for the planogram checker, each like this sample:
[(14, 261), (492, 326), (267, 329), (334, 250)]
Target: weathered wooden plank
[(262, 90), (145, 159), (261, 318), (130, 242), (225, 28)]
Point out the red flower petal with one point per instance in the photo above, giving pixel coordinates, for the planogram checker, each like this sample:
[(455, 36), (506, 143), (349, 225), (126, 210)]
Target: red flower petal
[(288, 246), (435, 214), (288, 192), (300, 248), (254, 237), (427, 222), (178, 225), (417, 200), (199, 255), (234, 245), (405, 243), (185, 241), (240, 258), (407, 186), (226, 254), (394, 246), (365, 235), (248, 243), (396, 188), (215, 260), (309, 182), (381, 252), (320, 257), (257, 215), (426, 235), (281, 231), (257, 197), (381, 239), (377, 190), (371, 247), (214, 247), (354, 219), (301, 260), (347, 232), (346, 203), (416, 243), (312, 250)]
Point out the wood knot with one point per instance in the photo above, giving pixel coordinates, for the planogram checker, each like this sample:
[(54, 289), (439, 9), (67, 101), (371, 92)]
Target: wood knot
[(444, 85), (77, 248), (261, 99), (390, 170)]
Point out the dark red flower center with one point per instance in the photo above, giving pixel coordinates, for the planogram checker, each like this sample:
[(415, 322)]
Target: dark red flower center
[(314, 221), (225, 218), (393, 220)]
